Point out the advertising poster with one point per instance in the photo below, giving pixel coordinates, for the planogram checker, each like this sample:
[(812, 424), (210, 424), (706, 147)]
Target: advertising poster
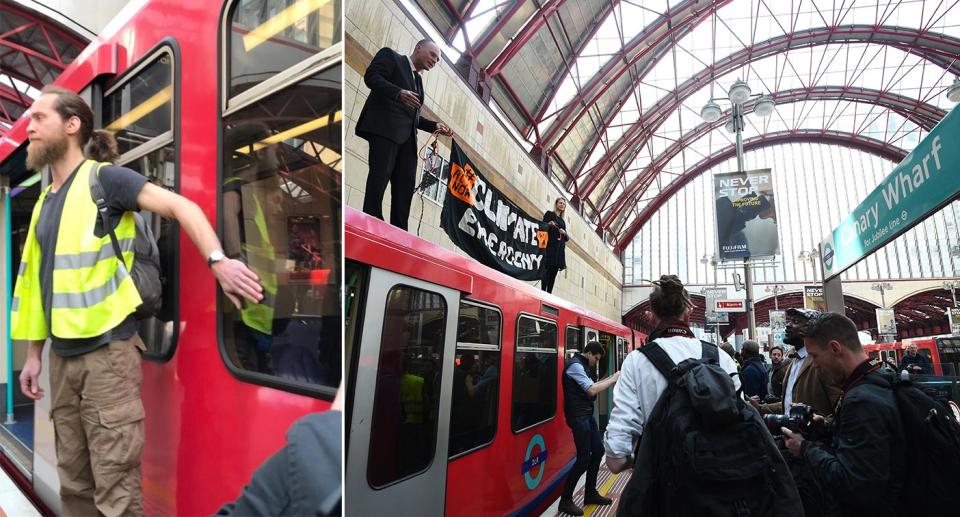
[(481, 221), (778, 327), (746, 214), (954, 314), (711, 295), (886, 323), (813, 298)]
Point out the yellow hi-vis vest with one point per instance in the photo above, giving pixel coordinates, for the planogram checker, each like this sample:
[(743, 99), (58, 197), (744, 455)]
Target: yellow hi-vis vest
[(262, 261), (92, 292)]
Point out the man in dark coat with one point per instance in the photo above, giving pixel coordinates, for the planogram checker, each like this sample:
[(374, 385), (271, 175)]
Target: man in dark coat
[(778, 370), (389, 122), (866, 453), (753, 373), (914, 362)]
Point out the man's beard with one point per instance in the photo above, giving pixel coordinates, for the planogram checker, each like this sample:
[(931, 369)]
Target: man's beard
[(40, 155)]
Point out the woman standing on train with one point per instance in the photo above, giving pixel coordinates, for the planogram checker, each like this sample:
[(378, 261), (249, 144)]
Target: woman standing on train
[(554, 256)]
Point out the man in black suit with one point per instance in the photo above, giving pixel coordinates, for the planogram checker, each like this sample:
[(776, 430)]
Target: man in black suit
[(389, 122)]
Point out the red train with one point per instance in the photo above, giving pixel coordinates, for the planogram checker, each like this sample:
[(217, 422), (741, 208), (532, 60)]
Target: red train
[(237, 106), (432, 425), (943, 352)]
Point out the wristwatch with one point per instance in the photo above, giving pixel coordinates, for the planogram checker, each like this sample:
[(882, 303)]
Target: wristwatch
[(215, 256)]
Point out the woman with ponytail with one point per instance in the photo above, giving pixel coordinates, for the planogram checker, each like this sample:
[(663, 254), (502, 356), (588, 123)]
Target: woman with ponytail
[(640, 382)]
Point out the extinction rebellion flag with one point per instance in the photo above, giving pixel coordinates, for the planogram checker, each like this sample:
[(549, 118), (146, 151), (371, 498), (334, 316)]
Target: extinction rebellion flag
[(488, 226)]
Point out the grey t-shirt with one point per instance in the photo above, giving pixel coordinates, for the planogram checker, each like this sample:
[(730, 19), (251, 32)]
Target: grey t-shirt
[(121, 186)]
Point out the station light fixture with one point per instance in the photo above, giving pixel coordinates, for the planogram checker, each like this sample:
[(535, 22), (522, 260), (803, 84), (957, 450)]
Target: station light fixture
[(711, 112), (953, 93), (764, 106), (739, 92)]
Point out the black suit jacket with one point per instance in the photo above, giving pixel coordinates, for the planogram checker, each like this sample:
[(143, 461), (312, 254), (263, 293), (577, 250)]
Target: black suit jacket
[(383, 114)]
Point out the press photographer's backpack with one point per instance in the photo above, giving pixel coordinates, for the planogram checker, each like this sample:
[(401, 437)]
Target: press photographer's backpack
[(932, 437), (146, 261), (704, 451)]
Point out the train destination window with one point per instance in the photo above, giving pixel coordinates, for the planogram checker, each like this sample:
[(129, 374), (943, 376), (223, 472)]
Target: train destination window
[(280, 213), (573, 342), (534, 373), (476, 378), (138, 109), (267, 37), (403, 433)]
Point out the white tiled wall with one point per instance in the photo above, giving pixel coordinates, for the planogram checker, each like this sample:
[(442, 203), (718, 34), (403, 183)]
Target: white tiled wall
[(594, 274)]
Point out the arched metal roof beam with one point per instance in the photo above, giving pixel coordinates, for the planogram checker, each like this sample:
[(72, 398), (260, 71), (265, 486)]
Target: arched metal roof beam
[(920, 113), (938, 48), (815, 136), (657, 38)]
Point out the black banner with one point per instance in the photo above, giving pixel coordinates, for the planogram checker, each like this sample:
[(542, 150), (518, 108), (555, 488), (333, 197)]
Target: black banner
[(488, 226)]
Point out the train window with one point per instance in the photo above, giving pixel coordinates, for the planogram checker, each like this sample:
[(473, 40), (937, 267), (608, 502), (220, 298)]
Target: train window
[(280, 213), (267, 37), (476, 378), (138, 109), (534, 373), (573, 342), (406, 403)]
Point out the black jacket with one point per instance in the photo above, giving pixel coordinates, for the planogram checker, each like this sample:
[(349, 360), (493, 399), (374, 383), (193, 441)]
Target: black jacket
[(555, 254), (383, 114), (926, 367), (863, 468), (576, 401)]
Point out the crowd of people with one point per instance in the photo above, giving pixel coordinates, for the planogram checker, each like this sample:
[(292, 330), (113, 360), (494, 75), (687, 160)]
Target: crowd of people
[(823, 431)]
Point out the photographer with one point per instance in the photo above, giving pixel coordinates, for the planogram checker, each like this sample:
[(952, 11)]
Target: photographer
[(866, 454), (805, 385), (802, 384)]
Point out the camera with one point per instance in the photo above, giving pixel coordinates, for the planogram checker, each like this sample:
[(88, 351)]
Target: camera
[(799, 419)]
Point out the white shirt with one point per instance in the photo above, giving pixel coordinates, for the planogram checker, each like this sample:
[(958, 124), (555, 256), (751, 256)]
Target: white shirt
[(639, 388), (795, 368)]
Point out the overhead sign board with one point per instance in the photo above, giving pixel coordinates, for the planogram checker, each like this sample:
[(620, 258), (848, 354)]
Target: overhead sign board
[(921, 184), (731, 306)]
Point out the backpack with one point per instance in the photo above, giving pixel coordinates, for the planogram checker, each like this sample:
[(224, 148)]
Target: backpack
[(704, 451), (932, 436), (146, 255)]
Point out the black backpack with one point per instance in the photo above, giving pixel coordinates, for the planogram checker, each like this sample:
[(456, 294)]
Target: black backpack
[(704, 451), (146, 261), (932, 436)]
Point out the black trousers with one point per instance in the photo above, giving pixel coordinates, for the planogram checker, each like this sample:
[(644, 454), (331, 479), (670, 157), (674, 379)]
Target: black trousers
[(549, 277), (397, 164), (589, 442)]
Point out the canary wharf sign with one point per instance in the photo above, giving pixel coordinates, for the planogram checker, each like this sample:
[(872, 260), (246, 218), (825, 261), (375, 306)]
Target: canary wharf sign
[(926, 180)]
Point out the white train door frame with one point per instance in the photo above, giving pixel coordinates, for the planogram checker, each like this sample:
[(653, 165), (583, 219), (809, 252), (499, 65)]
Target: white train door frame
[(421, 492)]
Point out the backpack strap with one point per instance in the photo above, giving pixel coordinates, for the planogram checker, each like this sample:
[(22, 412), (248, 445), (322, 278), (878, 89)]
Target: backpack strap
[(659, 358), (710, 352), (100, 198)]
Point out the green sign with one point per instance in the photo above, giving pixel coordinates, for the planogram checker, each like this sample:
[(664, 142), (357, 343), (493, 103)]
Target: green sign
[(926, 180)]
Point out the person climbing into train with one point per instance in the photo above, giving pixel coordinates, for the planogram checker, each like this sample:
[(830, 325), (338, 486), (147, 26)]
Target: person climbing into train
[(580, 390), (72, 289)]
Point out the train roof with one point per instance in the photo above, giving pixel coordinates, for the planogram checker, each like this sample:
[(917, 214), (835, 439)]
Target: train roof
[(440, 265)]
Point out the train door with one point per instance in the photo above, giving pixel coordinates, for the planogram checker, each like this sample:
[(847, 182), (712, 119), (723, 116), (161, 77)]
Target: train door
[(606, 368), (402, 331)]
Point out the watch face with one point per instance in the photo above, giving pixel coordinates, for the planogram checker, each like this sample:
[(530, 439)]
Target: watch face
[(216, 256)]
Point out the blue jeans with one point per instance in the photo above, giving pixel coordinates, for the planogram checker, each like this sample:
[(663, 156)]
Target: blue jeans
[(586, 436)]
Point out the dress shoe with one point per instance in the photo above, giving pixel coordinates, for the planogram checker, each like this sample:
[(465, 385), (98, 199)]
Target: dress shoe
[(597, 499), (569, 507)]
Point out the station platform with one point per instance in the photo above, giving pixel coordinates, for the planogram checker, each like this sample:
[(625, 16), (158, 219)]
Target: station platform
[(608, 484), (12, 501)]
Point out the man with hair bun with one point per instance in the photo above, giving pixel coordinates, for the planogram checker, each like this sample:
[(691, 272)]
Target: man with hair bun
[(641, 383)]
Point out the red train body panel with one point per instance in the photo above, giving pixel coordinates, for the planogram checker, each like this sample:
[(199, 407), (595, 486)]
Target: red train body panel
[(487, 480)]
